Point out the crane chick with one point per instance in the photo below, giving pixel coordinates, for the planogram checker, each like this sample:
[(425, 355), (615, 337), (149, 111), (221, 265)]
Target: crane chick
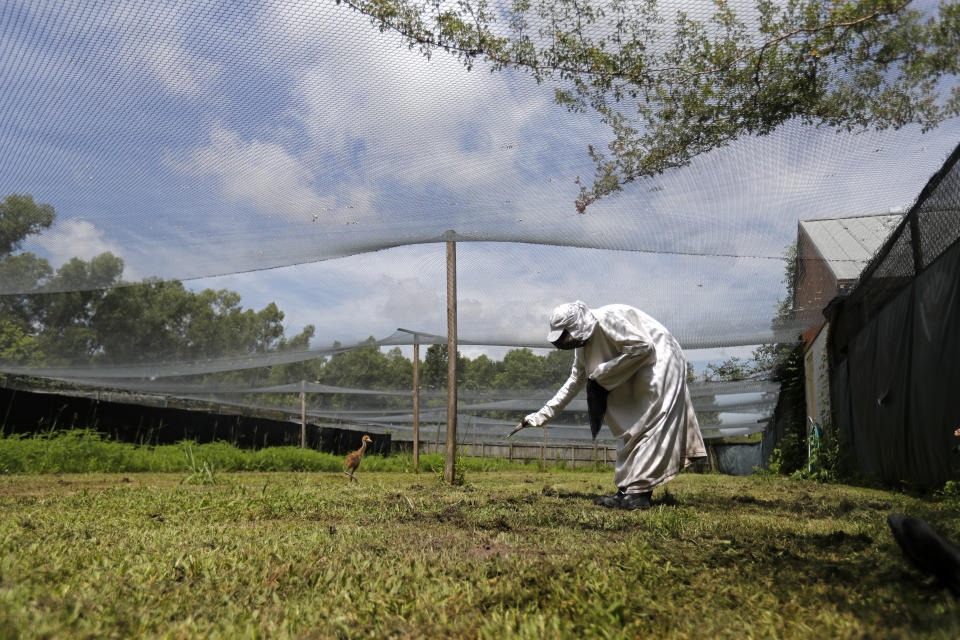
[(352, 462)]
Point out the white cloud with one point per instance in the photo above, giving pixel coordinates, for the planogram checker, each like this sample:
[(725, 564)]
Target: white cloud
[(506, 291), (76, 238), (178, 69), (150, 36), (272, 180), (406, 300), (147, 36), (415, 121), (260, 174)]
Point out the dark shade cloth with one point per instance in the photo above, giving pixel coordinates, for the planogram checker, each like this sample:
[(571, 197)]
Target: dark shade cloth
[(895, 346), (935, 371), (596, 406)]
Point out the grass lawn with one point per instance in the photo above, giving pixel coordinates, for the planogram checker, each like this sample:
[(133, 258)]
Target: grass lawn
[(509, 554)]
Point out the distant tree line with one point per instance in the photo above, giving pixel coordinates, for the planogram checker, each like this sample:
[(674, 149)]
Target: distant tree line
[(85, 313)]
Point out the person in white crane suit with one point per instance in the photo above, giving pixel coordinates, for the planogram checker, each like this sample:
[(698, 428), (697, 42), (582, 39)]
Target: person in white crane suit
[(641, 365)]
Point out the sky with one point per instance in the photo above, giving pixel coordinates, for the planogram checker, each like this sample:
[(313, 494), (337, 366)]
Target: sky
[(293, 153)]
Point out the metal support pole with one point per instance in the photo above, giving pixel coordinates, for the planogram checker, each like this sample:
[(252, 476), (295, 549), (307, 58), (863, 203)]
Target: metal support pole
[(416, 398), (303, 415), (915, 242), (416, 403), (448, 469)]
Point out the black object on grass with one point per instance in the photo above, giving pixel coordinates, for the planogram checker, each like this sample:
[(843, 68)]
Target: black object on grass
[(926, 550)]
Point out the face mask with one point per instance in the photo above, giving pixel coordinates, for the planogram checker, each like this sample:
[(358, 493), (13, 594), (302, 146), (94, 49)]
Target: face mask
[(566, 341)]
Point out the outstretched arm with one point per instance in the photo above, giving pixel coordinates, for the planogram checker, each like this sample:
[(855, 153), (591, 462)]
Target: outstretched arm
[(569, 390)]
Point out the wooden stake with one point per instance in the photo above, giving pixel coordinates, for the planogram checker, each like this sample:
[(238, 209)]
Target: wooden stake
[(448, 469)]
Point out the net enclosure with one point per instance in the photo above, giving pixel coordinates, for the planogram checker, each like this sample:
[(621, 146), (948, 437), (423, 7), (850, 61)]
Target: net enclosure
[(241, 201), (900, 322)]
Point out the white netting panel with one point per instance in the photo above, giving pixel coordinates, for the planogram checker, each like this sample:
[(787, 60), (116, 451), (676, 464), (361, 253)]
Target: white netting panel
[(221, 144)]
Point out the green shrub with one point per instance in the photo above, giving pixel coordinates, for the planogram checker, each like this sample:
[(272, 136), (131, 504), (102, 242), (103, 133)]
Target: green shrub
[(459, 471), (86, 451), (950, 490)]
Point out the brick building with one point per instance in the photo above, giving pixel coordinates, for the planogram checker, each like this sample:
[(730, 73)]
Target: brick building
[(831, 253)]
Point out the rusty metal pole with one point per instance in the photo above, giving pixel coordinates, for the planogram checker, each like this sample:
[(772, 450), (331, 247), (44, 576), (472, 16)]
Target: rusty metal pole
[(416, 398), (449, 475), (416, 403), (303, 414)]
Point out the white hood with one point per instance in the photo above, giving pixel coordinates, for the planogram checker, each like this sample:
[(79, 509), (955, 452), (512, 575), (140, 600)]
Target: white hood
[(575, 317)]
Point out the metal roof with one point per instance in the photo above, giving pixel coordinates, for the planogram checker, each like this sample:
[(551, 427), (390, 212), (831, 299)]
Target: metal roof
[(847, 244)]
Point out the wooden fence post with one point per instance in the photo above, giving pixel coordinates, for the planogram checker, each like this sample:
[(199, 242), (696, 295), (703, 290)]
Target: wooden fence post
[(448, 470)]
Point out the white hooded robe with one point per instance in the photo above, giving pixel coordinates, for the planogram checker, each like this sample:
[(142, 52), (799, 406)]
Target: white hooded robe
[(649, 410)]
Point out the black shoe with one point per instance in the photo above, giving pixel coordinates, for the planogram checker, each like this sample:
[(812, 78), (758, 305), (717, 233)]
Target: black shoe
[(611, 500), (631, 501)]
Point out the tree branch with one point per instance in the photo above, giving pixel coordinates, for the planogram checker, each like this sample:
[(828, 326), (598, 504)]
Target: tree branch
[(507, 61)]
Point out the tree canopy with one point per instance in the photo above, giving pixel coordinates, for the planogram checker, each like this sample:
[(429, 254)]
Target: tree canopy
[(84, 311), (20, 217), (671, 87)]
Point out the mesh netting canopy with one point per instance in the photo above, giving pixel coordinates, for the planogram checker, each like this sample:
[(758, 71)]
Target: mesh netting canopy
[(295, 154)]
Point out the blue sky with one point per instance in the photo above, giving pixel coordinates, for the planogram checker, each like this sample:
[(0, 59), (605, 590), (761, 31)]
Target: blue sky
[(210, 138)]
